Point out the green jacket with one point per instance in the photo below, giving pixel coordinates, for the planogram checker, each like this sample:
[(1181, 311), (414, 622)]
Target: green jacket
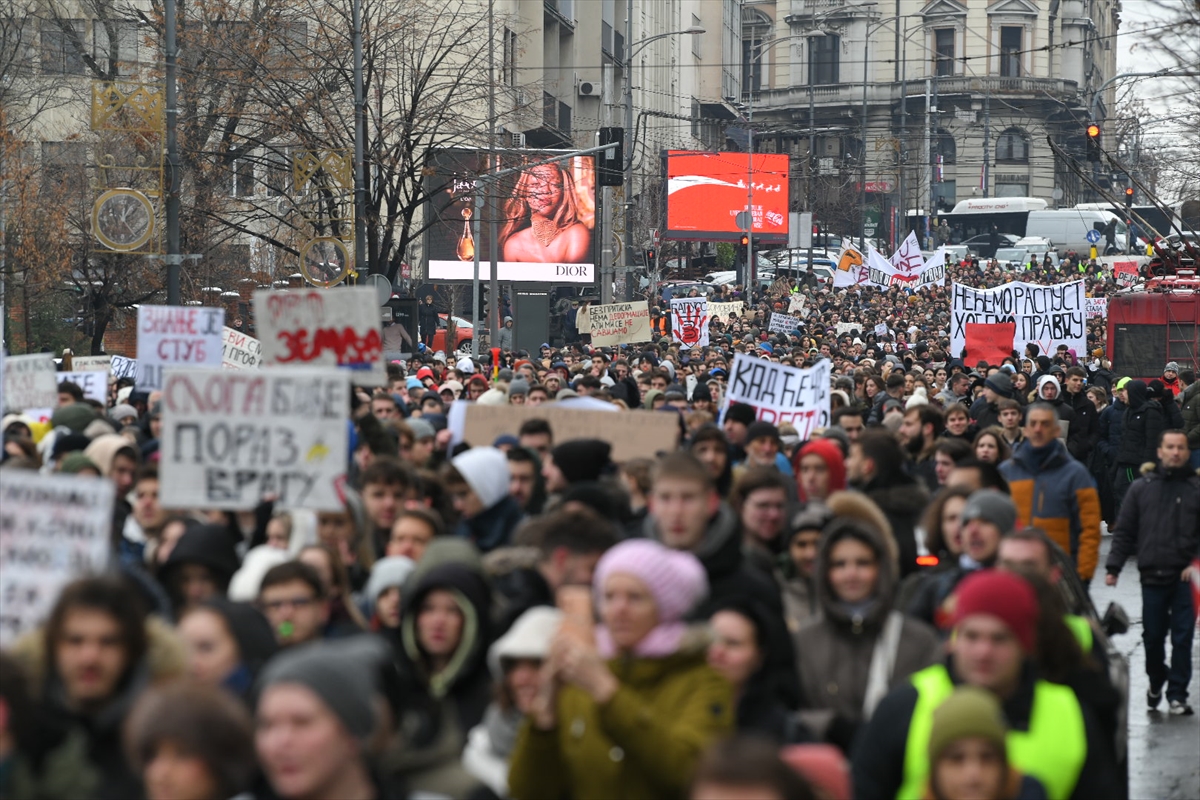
[(643, 743)]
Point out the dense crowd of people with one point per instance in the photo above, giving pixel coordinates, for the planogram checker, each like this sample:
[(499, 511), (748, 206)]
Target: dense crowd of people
[(894, 606)]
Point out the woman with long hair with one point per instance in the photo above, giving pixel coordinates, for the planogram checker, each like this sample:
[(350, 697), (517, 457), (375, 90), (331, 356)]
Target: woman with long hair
[(991, 446), (542, 218)]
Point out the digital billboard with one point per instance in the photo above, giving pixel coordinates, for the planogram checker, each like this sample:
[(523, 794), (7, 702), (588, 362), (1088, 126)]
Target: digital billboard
[(545, 215), (706, 192)]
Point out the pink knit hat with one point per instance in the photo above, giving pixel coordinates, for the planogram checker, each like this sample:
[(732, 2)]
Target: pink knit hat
[(675, 578)]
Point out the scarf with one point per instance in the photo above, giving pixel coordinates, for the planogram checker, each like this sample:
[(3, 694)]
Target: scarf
[(661, 642)]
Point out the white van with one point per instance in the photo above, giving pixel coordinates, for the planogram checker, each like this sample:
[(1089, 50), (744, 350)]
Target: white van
[(1068, 228)]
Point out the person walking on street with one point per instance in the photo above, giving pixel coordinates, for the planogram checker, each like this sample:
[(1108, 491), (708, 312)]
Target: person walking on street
[(1160, 523), (1140, 429)]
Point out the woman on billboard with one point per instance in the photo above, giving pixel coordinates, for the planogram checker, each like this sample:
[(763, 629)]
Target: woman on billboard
[(543, 219)]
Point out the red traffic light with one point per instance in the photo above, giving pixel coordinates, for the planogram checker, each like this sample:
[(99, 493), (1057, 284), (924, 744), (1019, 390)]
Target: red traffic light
[(745, 240), (1093, 131), (1129, 191)]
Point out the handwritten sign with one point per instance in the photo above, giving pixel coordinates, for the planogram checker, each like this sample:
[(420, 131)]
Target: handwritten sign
[(689, 322), (881, 330), (796, 304), (782, 323), (908, 259), (94, 384), (91, 363), (884, 274), (323, 328), (1096, 307), (177, 336), (723, 311), (632, 434), (30, 382), (847, 327), (53, 529), (1044, 315), (232, 437), (123, 367), (781, 393), (239, 351), (620, 323)]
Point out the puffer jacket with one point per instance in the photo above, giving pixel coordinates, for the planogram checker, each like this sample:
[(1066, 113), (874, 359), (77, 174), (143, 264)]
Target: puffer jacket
[(644, 742), (1111, 420), (1060, 497), (1191, 415), (1141, 427), (835, 648), (1159, 523), (1085, 430)]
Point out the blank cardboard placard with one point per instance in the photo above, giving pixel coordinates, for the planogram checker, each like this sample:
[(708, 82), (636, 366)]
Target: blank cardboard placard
[(632, 434)]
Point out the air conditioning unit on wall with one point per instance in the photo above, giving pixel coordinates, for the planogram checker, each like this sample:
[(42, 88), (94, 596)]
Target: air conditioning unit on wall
[(586, 87)]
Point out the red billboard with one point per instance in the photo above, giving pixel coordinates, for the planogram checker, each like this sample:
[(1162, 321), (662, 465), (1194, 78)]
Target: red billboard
[(707, 191)]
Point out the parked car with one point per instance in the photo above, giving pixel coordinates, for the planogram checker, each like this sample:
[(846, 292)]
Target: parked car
[(462, 335), (981, 245)]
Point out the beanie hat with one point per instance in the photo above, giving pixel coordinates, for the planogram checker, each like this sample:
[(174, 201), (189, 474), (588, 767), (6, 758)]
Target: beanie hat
[(1172, 366), (529, 637), (969, 713), (1003, 595), (67, 442), (76, 462), (582, 459), (919, 398), (676, 578), (518, 386), (1000, 383), (991, 506), (465, 364), (829, 452), (420, 429), (123, 412), (761, 429), (485, 469), (74, 416), (387, 573), (244, 585), (343, 674), (741, 412), (493, 397)]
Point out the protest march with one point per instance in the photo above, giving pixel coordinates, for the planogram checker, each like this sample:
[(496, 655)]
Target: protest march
[(835, 540)]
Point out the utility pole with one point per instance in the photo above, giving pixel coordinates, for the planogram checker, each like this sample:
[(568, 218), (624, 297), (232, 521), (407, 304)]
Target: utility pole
[(174, 255), (630, 145), (987, 141), (360, 182), (493, 159)]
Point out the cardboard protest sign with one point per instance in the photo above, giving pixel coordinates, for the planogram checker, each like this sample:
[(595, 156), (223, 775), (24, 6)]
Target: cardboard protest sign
[(723, 311), (781, 393), (1044, 315), (170, 336), (231, 438), (1096, 307), (91, 363), (851, 268), (238, 350), (796, 304), (632, 434), (323, 328), (689, 322), (53, 529), (30, 382), (990, 342), (94, 384), (1125, 273), (782, 323), (620, 323), (123, 367)]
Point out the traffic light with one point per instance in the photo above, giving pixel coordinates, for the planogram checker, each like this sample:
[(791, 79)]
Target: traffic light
[(650, 254), (610, 164), (1128, 197), (1093, 143), (744, 241)]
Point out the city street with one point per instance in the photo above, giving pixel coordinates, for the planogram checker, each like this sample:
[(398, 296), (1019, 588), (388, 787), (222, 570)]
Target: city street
[(1164, 751)]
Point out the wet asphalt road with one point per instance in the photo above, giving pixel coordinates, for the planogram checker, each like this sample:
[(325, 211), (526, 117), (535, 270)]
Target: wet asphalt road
[(1164, 751)]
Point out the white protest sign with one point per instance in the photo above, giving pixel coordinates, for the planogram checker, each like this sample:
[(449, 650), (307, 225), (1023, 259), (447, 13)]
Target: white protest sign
[(908, 258), (177, 336), (881, 330), (883, 274), (723, 311), (851, 268), (123, 367), (94, 384), (91, 363), (620, 323), (796, 304), (1096, 307), (232, 437), (782, 323), (781, 393), (689, 322), (53, 529), (238, 350), (847, 327), (30, 382), (323, 328), (1044, 315)]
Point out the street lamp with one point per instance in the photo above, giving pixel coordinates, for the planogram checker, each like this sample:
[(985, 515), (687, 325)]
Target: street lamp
[(632, 49)]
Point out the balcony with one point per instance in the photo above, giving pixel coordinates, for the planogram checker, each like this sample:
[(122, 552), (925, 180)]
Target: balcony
[(996, 85), (851, 94)]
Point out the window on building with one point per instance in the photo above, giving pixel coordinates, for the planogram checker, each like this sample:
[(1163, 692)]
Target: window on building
[(1010, 52), (752, 65), (943, 145), (823, 52), (116, 40), (696, 36), (945, 195), (62, 43), (239, 176), (943, 51), (278, 178), (1012, 190), (508, 63), (1012, 147)]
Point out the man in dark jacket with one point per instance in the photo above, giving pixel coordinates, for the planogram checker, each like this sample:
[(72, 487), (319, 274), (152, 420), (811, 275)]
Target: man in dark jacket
[(1140, 429), (984, 411), (1108, 443), (1160, 522), (1085, 430), (427, 319), (876, 467)]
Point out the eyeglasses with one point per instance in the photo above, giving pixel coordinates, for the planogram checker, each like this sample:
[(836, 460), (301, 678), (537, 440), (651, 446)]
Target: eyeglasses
[(290, 602)]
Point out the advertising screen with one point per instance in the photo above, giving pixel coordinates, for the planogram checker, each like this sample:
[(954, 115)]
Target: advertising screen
[(706, 191), (545, 214)]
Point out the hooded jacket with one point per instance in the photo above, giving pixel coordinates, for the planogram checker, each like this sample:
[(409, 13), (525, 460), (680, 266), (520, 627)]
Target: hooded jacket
[(1191, 415), (1111, 421), (1064, 411), (1059, 496), (834, 650), (1159, 523), (902, 499), (1085, 430), (207, 545), (1142, 425)]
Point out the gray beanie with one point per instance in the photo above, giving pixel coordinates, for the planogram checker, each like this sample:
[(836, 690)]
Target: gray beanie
[(421, 429), (518, 386), (123, 412), (991, 506), (388, 572), (344, 674), (1000, 383)]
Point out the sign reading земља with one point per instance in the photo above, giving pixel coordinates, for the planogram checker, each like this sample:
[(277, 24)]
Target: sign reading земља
[(231, 438), (323, 328)]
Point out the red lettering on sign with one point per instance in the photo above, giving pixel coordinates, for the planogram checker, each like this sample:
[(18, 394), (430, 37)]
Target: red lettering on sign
[(350, 348)]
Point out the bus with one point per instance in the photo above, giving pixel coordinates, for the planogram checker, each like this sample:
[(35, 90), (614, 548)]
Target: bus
[(1153, 324), (976, 217)]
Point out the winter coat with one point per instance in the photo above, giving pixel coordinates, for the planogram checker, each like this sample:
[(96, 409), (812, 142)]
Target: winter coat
[(1109, 440), (834, 650), (208, 546), (644, 742), (164, 661), (902, 500), (492, 527), (517, 585), (984, 413), (729, 574), (799, 593), (1085, 430), (427, 318), (1142, 425), (504, 338), (1191, 415), (1060, 497), (1160, 523), (54, 765)]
